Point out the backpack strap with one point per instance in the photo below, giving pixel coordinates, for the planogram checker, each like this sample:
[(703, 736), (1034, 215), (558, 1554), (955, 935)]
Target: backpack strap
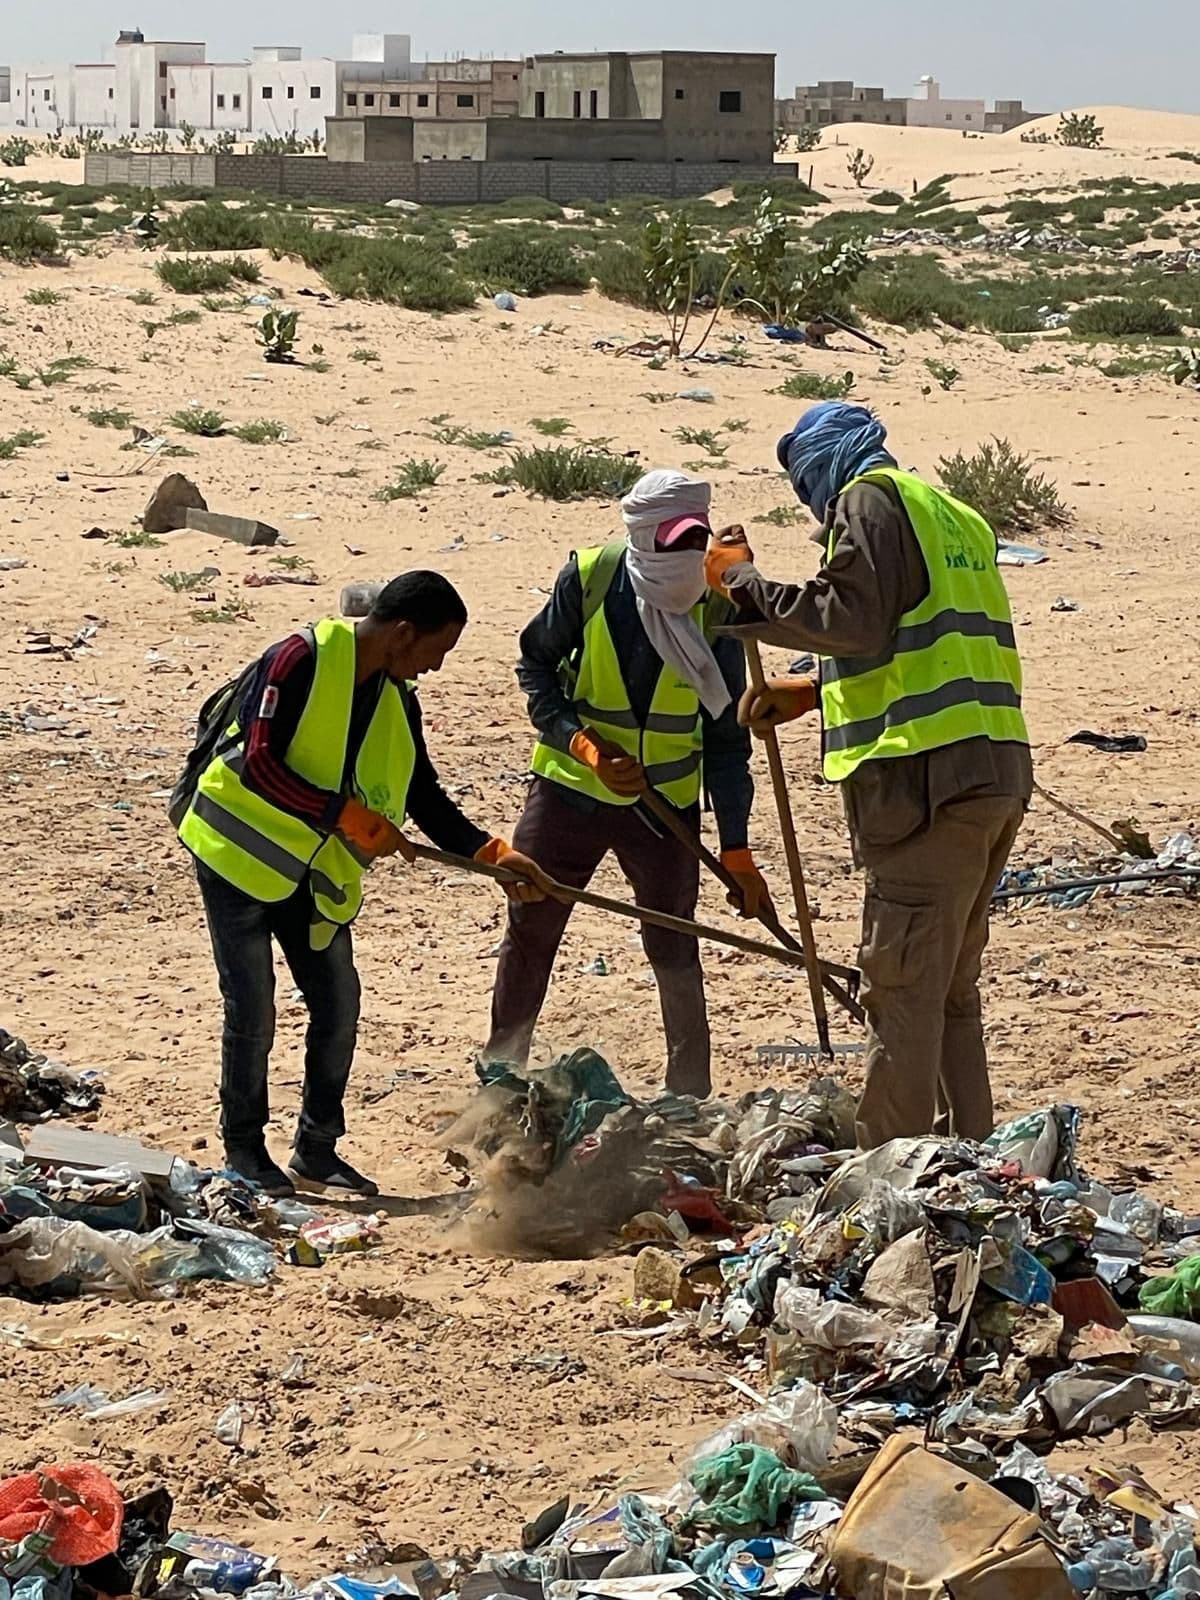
[(599, 580)]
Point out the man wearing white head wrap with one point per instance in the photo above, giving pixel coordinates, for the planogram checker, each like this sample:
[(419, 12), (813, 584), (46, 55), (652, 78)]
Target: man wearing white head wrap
[(629, 688)]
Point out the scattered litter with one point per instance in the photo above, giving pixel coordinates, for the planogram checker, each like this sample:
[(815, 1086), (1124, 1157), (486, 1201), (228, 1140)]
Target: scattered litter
[(12, 563), (357, 599), (167, 508), (505, 301), (264, 580), (702, 396), (1019, 555), (34, 1087), (1113, 744), (243, 530), (1063, 604)]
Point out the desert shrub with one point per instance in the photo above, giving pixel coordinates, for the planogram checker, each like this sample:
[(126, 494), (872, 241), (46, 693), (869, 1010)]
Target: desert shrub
[(562, 473), (23, 237), (619, 275), (507, 258), (404, 272), (1080, 130), (911, 294), (885, 197), (412, 476), (23, 439), (1116, 318), (1003, 487), (212, 226), (807, 138), (109, 417), (817, 386), (204, 275), (789, 194), (199, 420), (534, 207), (261, 430)]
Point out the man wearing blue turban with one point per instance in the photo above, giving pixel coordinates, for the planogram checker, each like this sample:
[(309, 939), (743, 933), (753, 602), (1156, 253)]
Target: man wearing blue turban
[(920, 695)]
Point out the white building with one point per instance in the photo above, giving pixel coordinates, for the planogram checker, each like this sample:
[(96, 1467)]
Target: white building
[(159, 84), (929, 110)]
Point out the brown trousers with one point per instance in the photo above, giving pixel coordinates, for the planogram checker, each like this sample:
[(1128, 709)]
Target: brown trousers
[(925, 928)]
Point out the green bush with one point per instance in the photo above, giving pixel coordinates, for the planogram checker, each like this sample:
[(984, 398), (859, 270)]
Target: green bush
[(885, 197), (213, 226), (23, 237), (506, 258), (562, 473), (789, 194), (206, 424), (620, 275), (534, 207), (404, 272), (1003, 487), (412, 477), (912, 294), (204, 275), (1117, 318), (817, 386)]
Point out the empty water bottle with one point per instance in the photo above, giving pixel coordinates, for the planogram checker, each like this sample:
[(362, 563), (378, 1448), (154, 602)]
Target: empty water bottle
[(1115, 1566)]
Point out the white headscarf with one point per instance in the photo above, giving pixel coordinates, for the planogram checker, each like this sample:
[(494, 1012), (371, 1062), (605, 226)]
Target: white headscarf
[(668, 583)]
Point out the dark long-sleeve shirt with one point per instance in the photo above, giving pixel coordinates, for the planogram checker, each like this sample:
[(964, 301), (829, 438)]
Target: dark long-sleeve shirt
[(269, 715), (556, 633), (853, 606)]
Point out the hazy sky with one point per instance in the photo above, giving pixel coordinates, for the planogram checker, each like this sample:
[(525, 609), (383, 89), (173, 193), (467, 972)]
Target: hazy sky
[(1052, 53)]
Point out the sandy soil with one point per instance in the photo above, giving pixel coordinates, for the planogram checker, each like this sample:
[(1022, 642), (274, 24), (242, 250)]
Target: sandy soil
[(437, 1412)]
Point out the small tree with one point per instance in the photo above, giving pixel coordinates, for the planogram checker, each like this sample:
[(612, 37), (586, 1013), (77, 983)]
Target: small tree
[(670, 256), (277, 335), (808, 138), (187, 135), (782, 139), (860, 166), (1080, 131)]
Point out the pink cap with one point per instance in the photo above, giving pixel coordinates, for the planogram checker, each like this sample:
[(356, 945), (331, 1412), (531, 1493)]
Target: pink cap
[(672, 532)]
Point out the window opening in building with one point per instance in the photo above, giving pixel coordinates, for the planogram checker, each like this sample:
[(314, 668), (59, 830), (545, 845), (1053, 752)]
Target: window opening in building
[(464, 101), (368, 99), (162, 69), (679, 94), (237, 102), (422, 100), (577, 103), (393, 100), (351, 99), (731, 100), (539, 103), (291, 91), (220, 102), (315, 92), (594, 104), (268, 93)]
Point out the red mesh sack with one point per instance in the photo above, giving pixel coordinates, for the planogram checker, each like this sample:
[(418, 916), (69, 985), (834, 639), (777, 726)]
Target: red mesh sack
[(79, 1507)]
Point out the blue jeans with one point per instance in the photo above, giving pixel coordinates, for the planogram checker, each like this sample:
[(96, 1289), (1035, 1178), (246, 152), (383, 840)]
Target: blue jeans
[(242, 930)]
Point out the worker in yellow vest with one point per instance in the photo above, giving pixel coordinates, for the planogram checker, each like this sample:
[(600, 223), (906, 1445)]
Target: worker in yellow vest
[(304, 770), (630, 689), (920, 695)]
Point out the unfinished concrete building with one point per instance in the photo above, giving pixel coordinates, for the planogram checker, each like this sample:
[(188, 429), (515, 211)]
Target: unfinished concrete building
[(835, 100)]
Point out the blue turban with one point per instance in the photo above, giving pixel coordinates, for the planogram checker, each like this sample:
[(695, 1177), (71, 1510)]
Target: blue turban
[(832, 443)]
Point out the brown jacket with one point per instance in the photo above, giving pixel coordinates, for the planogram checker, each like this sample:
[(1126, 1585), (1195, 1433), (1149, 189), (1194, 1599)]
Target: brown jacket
[(852, 608)]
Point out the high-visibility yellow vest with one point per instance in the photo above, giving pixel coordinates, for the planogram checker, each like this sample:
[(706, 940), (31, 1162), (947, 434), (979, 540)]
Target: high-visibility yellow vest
[(264, 851), (952, 671), (669, 744)]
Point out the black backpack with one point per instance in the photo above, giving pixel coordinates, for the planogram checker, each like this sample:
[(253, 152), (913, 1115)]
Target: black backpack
[(212, 726)]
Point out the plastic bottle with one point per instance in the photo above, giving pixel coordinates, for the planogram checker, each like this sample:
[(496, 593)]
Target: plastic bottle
[(1173, 1337), (1115, 1565), (224, 1577), (358, 598)]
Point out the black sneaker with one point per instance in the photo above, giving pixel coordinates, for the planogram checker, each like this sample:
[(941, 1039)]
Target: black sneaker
[(255, 1165), (320, 1167)]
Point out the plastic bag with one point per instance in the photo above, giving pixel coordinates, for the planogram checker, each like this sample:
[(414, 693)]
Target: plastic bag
[(886, 1214), (77, 1505), (76, 1259), (829, 1324), (798, 1424)]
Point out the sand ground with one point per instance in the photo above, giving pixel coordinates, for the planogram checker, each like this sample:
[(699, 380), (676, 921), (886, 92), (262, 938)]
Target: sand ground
[(439, 1408)]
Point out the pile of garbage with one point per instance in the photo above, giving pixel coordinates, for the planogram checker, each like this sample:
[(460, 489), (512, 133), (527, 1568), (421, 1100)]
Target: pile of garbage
[(34, 1087), (1068, 882), (84, 1213)]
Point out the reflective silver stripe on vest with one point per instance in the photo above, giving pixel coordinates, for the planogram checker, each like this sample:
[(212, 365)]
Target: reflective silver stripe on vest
[(670, 771), (248, 839), (615, 719), (668, 722), (960, 692), (326, 886), (919, 636)]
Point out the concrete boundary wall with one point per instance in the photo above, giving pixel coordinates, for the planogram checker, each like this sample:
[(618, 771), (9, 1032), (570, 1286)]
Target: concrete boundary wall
[(427, 182)]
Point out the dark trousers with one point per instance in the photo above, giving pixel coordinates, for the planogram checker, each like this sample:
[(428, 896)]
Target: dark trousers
[(664, 876), (242, 930)]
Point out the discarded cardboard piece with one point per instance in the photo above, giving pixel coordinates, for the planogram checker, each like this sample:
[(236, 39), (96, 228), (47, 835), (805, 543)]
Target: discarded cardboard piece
[(59, 1145), (901, 1278), (243, 530), (919, 1528), (167, 508)]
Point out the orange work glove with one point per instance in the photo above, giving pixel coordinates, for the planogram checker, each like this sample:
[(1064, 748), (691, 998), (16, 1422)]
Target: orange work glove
[(370, 834), (753, 895), (728, 547), (621, 773), (779, 700), (534, 883)]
